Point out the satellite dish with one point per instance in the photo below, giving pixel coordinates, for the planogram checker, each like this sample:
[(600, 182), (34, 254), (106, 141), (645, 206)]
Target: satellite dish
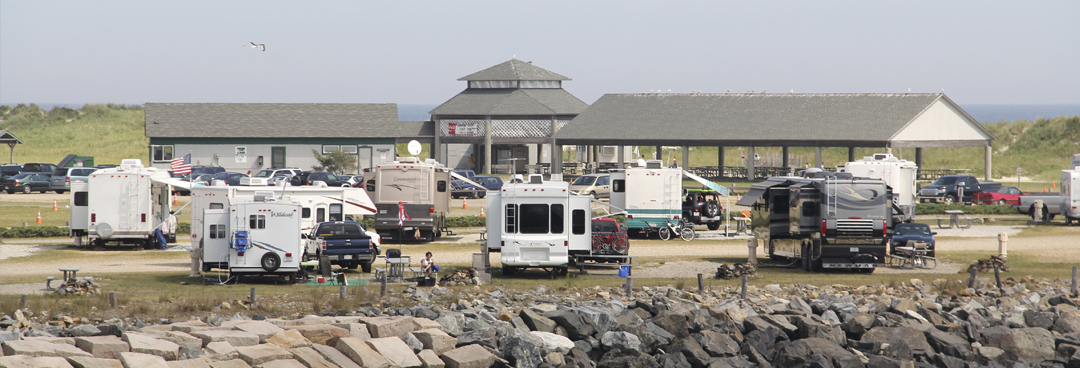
[(414, 148)]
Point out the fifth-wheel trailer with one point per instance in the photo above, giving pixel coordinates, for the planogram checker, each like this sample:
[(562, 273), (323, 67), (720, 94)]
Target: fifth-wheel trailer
[(412, 198), (259, 235), (653, 195), (124, 204)]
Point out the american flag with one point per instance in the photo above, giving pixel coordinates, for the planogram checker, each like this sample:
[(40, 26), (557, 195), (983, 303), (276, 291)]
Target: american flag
[(402, 216), (181, 165)]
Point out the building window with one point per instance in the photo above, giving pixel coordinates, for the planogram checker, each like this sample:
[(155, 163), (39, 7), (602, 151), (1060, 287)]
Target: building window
[(161, 153), (327, 148)]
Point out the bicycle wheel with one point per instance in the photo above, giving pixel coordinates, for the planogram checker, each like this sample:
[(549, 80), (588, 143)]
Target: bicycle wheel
[(687, 233), (665, 233)]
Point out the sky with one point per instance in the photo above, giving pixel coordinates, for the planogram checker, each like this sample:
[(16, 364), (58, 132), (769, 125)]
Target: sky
[(413, 52)]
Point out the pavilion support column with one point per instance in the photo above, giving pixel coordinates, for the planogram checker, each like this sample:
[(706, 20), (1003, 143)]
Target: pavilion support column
[(556, 158), (686, 157), (750, 162), (850, 154), (720, 159), (817, 156), (989, 162), (436, 148), (487, 146), (918, 157), (660, 153), (620, 158), (784, 157)]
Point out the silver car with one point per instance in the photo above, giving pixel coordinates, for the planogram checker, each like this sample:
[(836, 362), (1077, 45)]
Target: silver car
[(62, 177), (597, 185)]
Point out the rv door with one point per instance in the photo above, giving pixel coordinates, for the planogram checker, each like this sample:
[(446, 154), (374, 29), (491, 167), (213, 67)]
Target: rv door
[(215, 233), (618, 190), (442, 191)]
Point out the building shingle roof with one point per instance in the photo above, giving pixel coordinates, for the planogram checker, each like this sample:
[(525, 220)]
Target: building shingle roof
[(512, 101), (274, 120), (746, 118), (513, 70)]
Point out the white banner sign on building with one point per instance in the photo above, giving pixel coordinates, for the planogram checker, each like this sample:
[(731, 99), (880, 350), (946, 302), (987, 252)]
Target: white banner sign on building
[(463, 128)]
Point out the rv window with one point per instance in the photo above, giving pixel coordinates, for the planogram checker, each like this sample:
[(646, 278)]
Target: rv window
[(556, 219), (81, 199), (320, 215), (257, 221), (305, 212), (780, 204), (810, 209), (534, 219), (216, 206), (618, 185), (217, 231), (441, 186), (511, 219), (335, 212), (579, 222)]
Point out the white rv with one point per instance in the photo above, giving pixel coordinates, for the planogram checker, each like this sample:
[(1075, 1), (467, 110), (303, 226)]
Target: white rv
[(653, 195), (899, 174), (257, 235), (1070, 194), (80, 211), (317, 204), (125, 204), (412, 199), (538, 224)]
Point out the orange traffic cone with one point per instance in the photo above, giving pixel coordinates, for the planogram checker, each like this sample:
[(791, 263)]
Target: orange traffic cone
[(464, 203), (482, 211), (38, 221), (54, 205), (175, 201)]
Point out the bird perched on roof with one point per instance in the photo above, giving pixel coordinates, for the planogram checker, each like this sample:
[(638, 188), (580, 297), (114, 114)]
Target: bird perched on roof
[(257, 45)]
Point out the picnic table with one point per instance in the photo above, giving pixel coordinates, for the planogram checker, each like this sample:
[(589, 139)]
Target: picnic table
[(911, 257), (954, 220), (69, 271)]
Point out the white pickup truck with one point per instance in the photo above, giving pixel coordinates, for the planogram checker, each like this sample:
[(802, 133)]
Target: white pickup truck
[(1065, 203)]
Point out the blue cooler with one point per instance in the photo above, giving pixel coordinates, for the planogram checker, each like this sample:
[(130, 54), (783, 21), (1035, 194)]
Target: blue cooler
[(624, 271)]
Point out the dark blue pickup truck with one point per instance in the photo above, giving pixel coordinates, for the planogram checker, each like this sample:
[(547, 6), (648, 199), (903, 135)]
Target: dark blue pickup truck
[(345, 243)]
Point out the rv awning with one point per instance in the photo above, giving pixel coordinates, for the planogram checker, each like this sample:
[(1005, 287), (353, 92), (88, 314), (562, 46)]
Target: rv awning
[(174, 182), (756, 191)]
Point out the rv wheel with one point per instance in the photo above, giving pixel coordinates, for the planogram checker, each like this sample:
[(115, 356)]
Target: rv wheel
[(270, 262), (806, 257)]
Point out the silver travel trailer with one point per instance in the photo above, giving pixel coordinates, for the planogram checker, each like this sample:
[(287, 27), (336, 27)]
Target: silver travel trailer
[(899, 174), (411, 197), (317, 204), (125, 204)]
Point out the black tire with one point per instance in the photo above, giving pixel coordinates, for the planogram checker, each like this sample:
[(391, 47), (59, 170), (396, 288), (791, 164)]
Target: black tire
[(772, 252), (712, 209), (352, 265), (366, 267), (815, 248), (950, 199), (1031, 212), (806, 257), (713, 225), (59, 192), (665, 233), (10, 191), (508, 271), (270, 262), (26, 189), (687, 233), (44, 191)]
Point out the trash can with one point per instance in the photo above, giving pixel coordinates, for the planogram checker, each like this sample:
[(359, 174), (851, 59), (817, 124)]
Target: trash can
[(624, 271)]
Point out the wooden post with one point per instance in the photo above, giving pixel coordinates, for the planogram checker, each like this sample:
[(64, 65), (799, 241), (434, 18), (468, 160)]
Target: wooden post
[(629, 287), (742, 293), (112, 299), (997, 277), (700, 284), (382, 288), (252, 299), (971, 277), (751, 244), (1074, 286), (341, 292), (23, 300), (1003, 242)]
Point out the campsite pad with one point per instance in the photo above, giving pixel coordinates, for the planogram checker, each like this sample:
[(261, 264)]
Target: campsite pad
[(332, 282)]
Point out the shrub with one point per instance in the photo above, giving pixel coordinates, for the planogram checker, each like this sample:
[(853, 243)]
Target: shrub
[(34, 232), (981, 209), (466, 221)]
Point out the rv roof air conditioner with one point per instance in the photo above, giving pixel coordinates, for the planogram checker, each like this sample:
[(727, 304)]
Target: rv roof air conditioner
[(264, 196), (130, 163), (654, 164), (253, 182), (409, 160), (536, 179)]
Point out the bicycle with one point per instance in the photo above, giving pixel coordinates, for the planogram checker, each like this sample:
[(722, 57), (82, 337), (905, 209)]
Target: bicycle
[(685, 231)]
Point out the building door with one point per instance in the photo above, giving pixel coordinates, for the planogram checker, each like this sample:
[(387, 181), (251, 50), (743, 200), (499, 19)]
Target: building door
[(521, 155), (277, 157), (363, 159)]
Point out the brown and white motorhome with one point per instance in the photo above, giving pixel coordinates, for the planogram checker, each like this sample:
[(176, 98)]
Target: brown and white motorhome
[(412, 198)]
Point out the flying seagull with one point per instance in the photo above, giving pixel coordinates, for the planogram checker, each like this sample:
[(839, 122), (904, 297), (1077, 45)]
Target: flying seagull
[(257, 45)]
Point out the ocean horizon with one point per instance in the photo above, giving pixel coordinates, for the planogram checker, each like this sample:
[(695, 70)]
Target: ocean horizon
[(983, 113)]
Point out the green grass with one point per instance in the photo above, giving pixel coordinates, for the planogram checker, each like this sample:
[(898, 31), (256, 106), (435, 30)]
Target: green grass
[(110, 133)]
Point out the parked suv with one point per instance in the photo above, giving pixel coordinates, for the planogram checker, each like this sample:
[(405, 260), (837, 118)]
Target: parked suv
[(38, 167), (947, 189), (598, 185), (269, 173), (199, 170), (63, 176), (10, 170), (330, 179)]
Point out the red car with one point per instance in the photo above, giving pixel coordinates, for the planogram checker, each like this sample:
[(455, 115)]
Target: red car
[(1000, 195)]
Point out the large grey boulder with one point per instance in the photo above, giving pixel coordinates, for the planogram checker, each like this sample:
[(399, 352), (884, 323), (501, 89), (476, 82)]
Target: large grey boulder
[(102, 346), (140, 343), (484, 336), (814, 351), (857, 325), (948, 344), (692, 350), (553, 342), (522, 349), (1030, 345), (140, 360), (716, 344), (536, 321), (673, 323), (469, 356), (395, 351), (359, 351), (576, 325), (436, 340), (1067, 322), (335, 356), (624, 341), (262, 353), (903, 342)]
